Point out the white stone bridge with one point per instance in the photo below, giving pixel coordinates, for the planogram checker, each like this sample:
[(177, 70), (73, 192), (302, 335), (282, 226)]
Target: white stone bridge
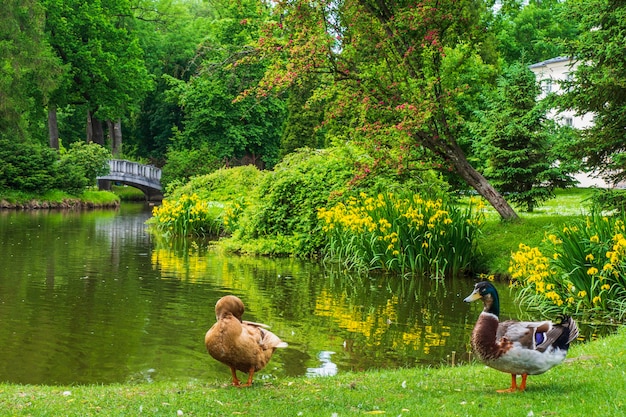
[(147, 178)]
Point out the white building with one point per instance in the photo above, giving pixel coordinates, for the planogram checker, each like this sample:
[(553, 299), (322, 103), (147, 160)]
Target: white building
[(549, 74)]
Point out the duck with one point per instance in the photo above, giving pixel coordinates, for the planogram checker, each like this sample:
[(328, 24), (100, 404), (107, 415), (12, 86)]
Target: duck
[(517, 347), (242, 345)]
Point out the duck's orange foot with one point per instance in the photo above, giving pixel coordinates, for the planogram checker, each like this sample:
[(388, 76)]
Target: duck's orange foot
[(236, 382), (513, 387)]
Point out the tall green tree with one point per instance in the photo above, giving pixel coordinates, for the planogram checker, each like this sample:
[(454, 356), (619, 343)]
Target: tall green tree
[(387, 58), (598, 84), (516, 141), (304, 120), (105, 71)]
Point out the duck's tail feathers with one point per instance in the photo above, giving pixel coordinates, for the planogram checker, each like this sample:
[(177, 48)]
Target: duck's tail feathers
[(569, 333), (255, 324)]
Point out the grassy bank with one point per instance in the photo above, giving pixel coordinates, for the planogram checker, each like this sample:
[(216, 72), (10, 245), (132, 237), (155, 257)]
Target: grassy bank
[(590, 382)]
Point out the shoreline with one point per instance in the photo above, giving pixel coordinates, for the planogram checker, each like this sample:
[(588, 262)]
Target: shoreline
[(65, 204)]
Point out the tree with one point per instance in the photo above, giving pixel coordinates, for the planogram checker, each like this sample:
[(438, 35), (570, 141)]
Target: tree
[(598, 85), (387, 58), (303, 120), (236, 131), (170, 33), (516, 141), (29, 70), (532, 30), (105, 71)]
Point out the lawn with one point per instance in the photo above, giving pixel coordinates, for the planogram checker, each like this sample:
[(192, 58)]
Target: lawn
[(590, 382)]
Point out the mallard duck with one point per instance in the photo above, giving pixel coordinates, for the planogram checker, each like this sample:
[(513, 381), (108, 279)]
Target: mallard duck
[(517, 347), (242, 345)]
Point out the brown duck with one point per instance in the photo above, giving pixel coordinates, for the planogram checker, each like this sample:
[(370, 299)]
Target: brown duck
[(242, 345), (517, 347)]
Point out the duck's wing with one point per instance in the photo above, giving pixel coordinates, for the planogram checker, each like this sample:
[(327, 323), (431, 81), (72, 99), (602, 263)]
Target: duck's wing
[(534, 335), (264, 338)]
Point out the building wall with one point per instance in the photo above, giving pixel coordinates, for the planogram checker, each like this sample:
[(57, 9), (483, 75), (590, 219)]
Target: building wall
[(549, 74)]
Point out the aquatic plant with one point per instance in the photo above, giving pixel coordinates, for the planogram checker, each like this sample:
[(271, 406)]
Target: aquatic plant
[(579, 269), (402, 233), (187, 216)]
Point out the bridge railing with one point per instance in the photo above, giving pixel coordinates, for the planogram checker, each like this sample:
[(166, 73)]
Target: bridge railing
[(135, 169)]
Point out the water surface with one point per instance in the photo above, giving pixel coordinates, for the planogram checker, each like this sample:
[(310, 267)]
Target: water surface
[(90, 297)]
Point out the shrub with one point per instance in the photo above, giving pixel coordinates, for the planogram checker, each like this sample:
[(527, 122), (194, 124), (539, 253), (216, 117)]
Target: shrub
[(403, 234), (290, 195), (27, 166), (579, 270), (88, 159)]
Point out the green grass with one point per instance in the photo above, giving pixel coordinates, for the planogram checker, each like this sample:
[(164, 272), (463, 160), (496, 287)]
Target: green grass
[(590, 382), (127, 193)]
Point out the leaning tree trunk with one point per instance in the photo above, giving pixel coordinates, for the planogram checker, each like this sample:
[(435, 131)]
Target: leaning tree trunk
[(477, 181), (53, 127), (115, 135)]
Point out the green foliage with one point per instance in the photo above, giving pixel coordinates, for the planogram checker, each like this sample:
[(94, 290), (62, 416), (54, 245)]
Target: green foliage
[(385, 62), (404, 234), (516, 142), (26, 166), (303, 122), (276, 212), (530, 32), (35, 168), (103, 63), (214, 202), (240, 131), (29, 68), (580, 269), (611, 200), (186, 163), (171, 36), (224, 185)]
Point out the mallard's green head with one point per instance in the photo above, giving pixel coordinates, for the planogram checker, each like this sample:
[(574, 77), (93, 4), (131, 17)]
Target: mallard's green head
[(486, 292)]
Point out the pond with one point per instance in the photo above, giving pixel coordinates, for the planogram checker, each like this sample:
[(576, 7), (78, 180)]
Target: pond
[(91, 297)]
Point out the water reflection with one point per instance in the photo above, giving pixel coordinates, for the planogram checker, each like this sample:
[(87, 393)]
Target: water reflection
[(91, 297), (326, 368)]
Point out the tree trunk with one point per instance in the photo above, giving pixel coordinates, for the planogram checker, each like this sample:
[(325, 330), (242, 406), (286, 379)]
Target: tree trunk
[(478, 182), (95, 132), (53, 127), (115, 135)]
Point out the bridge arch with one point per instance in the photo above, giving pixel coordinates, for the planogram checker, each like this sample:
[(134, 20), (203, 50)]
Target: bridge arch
[(146, 178)]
